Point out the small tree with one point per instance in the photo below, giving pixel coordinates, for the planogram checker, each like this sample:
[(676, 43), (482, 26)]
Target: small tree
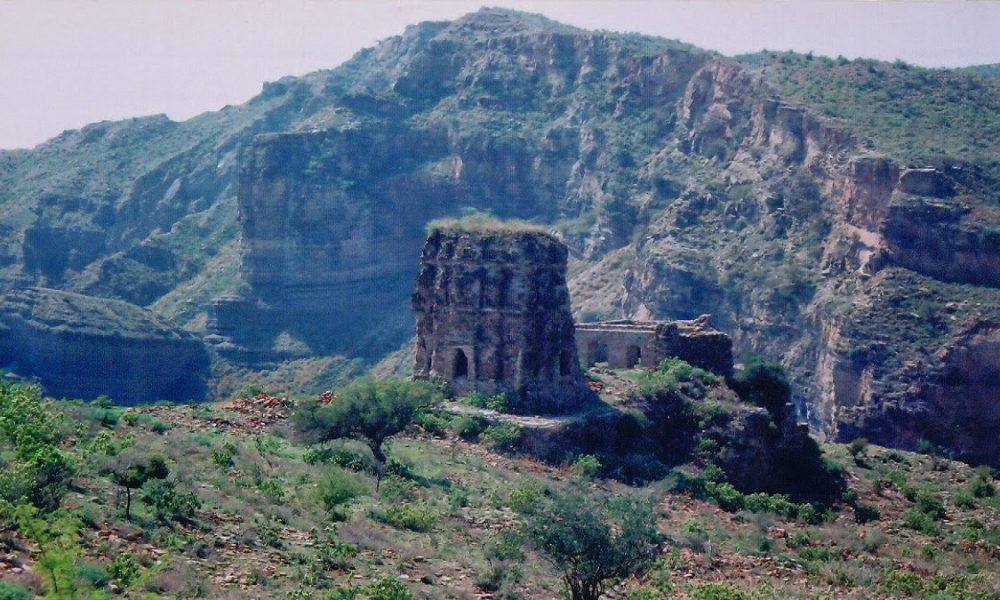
[(765, 384), (593, 546), (131, 473), (369, 410)]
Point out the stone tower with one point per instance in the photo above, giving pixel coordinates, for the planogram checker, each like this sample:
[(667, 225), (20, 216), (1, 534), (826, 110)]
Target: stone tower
[(493, 315)]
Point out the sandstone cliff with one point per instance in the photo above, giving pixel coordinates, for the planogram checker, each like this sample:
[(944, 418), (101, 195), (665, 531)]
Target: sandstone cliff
[(805, 203), (84, 347)]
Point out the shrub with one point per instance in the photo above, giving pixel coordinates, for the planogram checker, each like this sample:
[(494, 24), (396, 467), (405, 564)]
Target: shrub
[(799, 539), (250, 390), (930, 505), (673, 374), (339, 488), (12, 591), (964, 499), (468, 427), (408, 516), (499, 402), (591, 545), (586, 465), (432, 422), (166, 503), (224, 457), (39, 472), (865, 513), (920, 521), (725, 495), (458, 497), (92, 575), (387, 588), (902, 582), (526, 496), (982, 487), (123, 570), (764, 384), (858, 447), (334, 554), (502, 437)]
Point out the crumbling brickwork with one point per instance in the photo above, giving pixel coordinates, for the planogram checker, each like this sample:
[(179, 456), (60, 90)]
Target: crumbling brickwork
[(625, 344), (493, 315)]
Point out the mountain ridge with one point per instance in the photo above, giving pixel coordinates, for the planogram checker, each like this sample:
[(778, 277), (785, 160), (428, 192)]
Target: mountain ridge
[(681, 181)]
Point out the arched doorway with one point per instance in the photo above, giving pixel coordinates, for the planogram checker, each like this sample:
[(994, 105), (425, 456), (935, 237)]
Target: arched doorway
[(633, 355), (459, 364)]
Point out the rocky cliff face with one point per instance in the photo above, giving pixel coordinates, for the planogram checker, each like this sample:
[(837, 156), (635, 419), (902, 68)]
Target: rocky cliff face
[(681, 181), (493, 316), (84, 347)]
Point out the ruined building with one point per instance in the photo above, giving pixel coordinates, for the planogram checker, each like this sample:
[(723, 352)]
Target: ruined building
[(493, 315), (625, 344)]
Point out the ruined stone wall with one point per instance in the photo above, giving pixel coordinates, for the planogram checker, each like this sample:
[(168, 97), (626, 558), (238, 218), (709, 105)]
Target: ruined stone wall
[(493, 315), (623, 344)]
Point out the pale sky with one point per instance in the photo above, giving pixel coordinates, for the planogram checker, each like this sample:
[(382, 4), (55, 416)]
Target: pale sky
[(66, 63)]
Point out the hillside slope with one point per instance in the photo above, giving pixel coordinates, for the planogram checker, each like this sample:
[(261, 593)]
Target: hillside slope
[(840, 215)]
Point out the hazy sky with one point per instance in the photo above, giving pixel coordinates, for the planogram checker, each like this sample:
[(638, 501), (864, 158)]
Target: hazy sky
[(66, 63)]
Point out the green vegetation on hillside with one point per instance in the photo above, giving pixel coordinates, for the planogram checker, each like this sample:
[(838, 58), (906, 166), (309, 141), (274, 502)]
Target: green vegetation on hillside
[(906, 111), (230, 503)]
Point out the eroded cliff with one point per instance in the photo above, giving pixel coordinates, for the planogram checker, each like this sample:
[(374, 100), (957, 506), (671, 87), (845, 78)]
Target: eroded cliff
[(84, 347)]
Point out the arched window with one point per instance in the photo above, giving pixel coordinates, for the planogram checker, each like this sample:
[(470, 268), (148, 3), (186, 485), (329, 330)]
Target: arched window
[(459, 364)]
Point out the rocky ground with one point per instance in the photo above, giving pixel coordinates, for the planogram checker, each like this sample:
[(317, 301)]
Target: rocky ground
[(262, 531)]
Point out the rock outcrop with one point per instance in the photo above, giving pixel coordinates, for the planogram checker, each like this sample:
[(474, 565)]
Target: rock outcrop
[(493, 316), (83, 347)]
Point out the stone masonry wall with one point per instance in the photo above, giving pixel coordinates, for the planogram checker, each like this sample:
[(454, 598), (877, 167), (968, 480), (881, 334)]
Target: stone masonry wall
[(493, 316)]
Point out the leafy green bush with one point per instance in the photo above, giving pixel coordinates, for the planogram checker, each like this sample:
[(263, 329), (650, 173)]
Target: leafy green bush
[(468, 427), (964, 499), (339, 488), (123, 570), (502, 437), (591, 544), (764, 384), (12, 591), (166, 503), (387, 588), (930, 505), (91, 575), (865, 513), (920, 521), (498, 402), (902, 582), (982, 487), (526, 496), (408, 516), (224, 457), (39, 473), (674, 374), (587, 465)]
